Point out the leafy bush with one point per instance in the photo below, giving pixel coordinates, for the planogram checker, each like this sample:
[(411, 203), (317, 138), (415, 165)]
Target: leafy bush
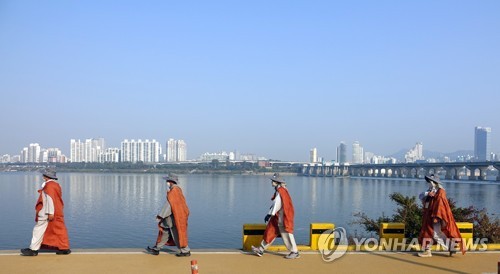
[(409, 212)]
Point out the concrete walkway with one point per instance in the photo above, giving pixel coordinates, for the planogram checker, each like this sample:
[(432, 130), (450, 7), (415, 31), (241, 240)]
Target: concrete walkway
[(236, 261)]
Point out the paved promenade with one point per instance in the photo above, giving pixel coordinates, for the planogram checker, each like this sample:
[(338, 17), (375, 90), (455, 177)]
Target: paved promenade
[(236, 261)]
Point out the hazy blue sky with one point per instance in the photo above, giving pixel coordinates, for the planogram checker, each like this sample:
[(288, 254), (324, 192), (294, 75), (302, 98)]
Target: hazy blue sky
[(273, 78)]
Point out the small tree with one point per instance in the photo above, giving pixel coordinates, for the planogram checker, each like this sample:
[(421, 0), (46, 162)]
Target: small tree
[(409, 212)]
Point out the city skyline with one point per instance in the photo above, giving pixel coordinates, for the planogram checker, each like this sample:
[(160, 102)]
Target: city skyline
[(146, 150), (270, 78)]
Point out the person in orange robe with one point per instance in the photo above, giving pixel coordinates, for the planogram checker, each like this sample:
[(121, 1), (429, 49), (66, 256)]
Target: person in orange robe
[(173, 221), (50, 231), (279, 220), (438, 223)]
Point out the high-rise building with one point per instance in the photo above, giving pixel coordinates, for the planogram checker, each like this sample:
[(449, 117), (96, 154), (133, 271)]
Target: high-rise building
[(368, 157), (76, 151), (171, 150), (181, 151), (415, 154), (357, 153), (24, 155), (52, 155), (176, 150), (482, 144), (110, 155), (31, 154), (140, 151), (313, 155), (87, 151), (5, 158), (34, 153), (342, 153)]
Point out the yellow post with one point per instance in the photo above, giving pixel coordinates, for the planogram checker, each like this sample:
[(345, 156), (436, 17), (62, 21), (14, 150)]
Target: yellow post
[(465, 229), (392, 231), (252, 235), (315, 232)]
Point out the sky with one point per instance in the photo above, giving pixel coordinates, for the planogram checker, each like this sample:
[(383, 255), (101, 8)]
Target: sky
[(271, 78)]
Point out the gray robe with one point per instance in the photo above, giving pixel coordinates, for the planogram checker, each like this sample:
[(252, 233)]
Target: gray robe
[(167, 216)]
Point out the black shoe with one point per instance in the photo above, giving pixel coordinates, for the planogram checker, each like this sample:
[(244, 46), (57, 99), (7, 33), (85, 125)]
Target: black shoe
[(182, 254), (452, 253), (63, 252), (29, 252), (153, 250)]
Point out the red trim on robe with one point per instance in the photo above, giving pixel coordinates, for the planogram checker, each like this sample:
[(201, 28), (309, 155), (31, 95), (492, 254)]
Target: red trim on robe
[(439, 209)]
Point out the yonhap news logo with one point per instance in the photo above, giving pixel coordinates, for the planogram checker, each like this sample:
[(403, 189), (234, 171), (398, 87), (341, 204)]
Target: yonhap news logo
[(332, 244)]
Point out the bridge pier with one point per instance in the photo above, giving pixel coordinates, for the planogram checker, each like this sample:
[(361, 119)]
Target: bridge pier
[(448, 173), (472, 174), (386, 174), (482, 174)]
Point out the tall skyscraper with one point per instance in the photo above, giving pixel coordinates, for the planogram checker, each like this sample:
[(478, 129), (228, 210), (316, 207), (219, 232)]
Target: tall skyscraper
[(181, 151), (88, 151), (110, 155), (342, 153), (24, 155), (357, 153), (31, 154), (176, 150), (313, 155), (34, 153), (415, 154), (482, 144), (52, 155), (140, 151), (76, 151), (171, 150)]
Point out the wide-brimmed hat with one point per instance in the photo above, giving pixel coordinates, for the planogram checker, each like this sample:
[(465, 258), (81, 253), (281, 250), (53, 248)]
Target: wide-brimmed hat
[(171, 178), (49, 173), (277, 178), (432, 179)]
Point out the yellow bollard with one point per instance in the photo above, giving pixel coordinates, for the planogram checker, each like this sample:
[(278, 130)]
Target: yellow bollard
[(465, 229), (252, 235), (392, 231), (315, 232)]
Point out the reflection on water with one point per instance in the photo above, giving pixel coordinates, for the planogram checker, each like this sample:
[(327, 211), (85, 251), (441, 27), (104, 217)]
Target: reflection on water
[(118, 210)]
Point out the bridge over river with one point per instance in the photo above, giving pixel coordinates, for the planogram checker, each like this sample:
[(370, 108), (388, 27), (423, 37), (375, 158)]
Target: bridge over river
[(448, 171)]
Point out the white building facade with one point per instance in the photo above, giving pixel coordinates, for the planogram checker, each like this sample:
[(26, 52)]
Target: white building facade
[(140, 151), (357, 153), (415, 154), (176, 150)]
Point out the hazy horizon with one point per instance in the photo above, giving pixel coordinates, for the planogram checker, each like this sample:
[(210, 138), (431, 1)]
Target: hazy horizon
[(275, 79), (349, 150)]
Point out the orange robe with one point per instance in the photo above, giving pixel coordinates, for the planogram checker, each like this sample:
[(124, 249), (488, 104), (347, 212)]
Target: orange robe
[(180, 211), (439, 209), (272, 230), (56, 234)]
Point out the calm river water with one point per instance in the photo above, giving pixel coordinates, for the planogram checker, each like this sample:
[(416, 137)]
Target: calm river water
[(118, 210)]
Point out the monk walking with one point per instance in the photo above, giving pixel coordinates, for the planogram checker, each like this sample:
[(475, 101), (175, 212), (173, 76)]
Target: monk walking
[(438, 223), (173, 221), (279, 220), (50, 230)]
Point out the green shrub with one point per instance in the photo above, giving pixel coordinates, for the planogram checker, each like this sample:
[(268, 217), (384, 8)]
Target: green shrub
[(409, 212)]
